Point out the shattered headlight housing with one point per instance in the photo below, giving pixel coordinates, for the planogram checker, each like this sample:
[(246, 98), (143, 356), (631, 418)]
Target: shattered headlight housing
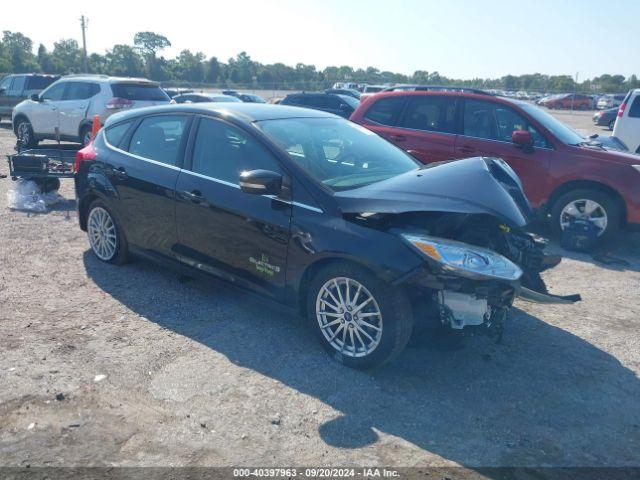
[(464, 259)]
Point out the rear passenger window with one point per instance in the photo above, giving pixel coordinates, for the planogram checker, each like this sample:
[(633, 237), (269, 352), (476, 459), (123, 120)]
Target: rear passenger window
[(634, 110), (222, 152), (158, 138), (386, 111), (81, 90), (116, 133), (430, 113)]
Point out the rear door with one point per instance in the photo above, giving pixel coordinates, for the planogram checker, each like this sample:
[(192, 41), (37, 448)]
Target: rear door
[(73, 108), (221, 229), (426, 128), (627, 127), (6, 104), (486, 131), (144, 169)]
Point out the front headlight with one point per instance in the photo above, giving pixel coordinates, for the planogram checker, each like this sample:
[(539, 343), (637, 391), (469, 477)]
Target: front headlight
[(463, 259)]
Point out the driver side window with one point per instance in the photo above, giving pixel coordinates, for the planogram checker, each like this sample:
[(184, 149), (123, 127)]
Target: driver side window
[(222, 152)]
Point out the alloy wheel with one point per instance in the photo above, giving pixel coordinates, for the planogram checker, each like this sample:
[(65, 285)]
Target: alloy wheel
[(584, 209), (102, 234), (24, 133), (349, 317)]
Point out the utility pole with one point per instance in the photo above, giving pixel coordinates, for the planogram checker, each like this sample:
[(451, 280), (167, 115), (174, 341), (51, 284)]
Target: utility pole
[(85, 61)]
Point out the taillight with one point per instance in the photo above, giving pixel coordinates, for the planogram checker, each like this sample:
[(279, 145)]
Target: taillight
[(117, 102), (87, 153), (621, 111)]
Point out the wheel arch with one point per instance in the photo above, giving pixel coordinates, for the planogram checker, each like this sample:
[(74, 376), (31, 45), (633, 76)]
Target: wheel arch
[(591, 185)]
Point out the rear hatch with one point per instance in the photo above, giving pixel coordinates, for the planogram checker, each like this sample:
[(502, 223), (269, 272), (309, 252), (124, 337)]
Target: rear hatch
[(141, 94)]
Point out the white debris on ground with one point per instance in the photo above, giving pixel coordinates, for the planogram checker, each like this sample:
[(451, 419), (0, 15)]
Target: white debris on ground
[(26, 195)]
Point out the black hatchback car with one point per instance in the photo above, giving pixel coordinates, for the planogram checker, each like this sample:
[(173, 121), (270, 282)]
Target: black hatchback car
[(342, 105), (315, 212)]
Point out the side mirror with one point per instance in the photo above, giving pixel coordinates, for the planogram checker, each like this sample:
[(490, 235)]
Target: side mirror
[(261, 182), (2, 90), (35, 97), (522, 139)]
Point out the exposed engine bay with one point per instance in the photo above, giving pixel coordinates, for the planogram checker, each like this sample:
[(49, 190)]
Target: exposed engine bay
[(463, 302)]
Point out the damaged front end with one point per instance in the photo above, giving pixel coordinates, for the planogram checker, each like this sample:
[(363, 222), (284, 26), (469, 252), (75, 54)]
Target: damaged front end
[(468, 220)]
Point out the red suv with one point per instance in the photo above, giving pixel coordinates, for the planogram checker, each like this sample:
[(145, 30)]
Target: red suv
[(564, 175)]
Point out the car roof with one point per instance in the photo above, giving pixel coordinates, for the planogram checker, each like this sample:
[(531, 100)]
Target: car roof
[(105, 78), (243, 112), (439, 93)]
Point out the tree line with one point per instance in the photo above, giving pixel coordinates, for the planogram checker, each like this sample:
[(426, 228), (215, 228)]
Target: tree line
[(144, 59)]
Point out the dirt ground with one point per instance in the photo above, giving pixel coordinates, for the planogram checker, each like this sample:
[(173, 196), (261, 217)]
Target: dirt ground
[(129, 366)]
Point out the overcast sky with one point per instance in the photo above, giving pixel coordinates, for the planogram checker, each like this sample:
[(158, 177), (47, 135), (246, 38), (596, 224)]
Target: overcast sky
[(457, 38)]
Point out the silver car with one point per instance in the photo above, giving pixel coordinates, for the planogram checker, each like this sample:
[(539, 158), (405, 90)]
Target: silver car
[(65, 110)]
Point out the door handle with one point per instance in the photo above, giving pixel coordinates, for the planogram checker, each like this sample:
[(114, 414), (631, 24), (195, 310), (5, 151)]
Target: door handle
[(194, 196), (120, 172), (397, 138), (466, 149)]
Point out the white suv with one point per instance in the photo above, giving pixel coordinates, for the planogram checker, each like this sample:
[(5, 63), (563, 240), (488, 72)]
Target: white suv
[(627, 127), (65, 110)]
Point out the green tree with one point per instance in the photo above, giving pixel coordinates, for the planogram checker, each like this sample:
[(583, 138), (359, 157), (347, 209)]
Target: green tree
[(124, 60), (66, 56), (17, 52)]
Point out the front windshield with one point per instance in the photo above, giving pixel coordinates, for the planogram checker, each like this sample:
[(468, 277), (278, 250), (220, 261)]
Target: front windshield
[(338, 153), (562, 131)]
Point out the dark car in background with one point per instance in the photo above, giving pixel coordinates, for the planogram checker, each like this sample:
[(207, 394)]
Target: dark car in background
[(315, 212), (342, 105), (565, 176), (606, 118), (15, 88), (344, 91)]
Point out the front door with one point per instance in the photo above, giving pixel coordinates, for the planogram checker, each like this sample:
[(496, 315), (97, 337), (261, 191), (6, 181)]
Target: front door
[(221, 229), (45, 119), (486, 131)]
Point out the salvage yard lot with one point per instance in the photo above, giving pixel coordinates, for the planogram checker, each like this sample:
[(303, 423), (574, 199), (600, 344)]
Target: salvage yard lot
[(198, 373)]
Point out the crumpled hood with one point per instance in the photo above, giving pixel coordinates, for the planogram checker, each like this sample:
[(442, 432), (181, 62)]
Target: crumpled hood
[(473, 185)]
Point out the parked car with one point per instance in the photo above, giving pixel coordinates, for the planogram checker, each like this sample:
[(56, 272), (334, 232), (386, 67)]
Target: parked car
[(610, 101), (204, 97), (315, 212), (344, 91), (172, 92), (65, 110), (606, 118), (341, 105), (373, 88), (565, 175), (15, 88), (627, 127), (573, 101), (251, 98)]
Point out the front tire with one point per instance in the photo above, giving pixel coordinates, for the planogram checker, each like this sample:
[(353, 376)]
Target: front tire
[(593, 205), (362, 321), (24, 133), (105, 234), (85, 135)]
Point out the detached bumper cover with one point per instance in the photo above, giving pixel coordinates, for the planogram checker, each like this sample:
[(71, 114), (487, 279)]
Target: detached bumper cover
[(537, 297)]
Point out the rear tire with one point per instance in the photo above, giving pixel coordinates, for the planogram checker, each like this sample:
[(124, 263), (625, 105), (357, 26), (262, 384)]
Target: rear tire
[(103, 227), (612, 124), (24, 133), (363, 337), (47, 184), (605, 202)]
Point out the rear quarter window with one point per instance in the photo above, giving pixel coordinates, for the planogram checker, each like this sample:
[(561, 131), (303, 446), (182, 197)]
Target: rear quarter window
[(116, 133), (138, 91), (386, 111)]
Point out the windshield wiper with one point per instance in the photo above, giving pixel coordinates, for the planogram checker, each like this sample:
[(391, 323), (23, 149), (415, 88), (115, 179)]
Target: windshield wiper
[(590, 143)]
